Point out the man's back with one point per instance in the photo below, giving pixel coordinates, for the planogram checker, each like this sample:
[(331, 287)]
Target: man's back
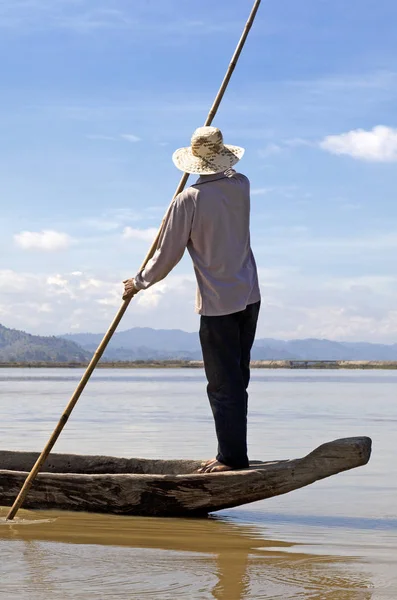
[(211, 219), (219, 244)]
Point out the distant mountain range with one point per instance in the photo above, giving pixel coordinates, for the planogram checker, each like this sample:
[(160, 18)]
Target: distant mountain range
[(18, 346), (144, 343)]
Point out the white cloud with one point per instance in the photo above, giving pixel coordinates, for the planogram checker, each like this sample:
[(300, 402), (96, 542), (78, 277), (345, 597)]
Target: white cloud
[(270, 150), (47, 240), (90, 283), (58, 285), (64, 14), (293, 239), (44, 308), (57, 280), (113, 299), (261, 191), (377, 145), (56, 303), (145, 235), (60, 302), (130, 137), (286, 191), (381, 283), (88, 16), (116, 218), (11, 281), (297, 142), (295, 305), (343, 308)]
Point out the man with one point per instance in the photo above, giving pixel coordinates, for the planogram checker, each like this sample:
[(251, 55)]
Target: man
[(211, 220)]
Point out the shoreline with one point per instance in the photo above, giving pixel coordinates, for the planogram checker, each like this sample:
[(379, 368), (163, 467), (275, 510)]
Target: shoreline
[(196, 364)]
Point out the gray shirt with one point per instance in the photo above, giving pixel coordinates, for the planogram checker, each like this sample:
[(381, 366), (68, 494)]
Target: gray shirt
[(211, 220)]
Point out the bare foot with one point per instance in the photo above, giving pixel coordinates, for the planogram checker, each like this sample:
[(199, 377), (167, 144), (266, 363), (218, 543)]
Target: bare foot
[(214, 466), (208, 462)]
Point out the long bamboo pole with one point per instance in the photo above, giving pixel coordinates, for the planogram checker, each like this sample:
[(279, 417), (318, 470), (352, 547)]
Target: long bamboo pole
[(102, 346)]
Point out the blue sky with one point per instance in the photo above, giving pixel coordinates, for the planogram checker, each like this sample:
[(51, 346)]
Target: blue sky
[(96, 95)]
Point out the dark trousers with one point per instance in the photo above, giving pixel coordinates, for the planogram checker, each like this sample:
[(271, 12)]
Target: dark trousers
[(226, 343)]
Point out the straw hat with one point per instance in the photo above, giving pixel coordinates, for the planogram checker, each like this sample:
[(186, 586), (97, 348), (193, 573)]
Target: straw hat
[(207, 153)]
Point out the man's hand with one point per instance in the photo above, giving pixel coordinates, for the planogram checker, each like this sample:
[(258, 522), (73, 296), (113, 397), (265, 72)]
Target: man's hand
[(129, 289)]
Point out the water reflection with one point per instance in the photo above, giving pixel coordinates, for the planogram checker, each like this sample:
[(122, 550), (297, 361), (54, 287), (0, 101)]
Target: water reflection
[(67, 553)]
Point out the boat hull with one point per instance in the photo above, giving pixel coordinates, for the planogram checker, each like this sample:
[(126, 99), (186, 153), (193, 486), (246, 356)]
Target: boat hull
[(166, 488)]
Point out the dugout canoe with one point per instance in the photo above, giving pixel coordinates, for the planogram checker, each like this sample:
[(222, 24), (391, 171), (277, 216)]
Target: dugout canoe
[(134, 486)]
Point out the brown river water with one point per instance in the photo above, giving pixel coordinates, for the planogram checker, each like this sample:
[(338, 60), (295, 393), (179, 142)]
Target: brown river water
[(333, 540)]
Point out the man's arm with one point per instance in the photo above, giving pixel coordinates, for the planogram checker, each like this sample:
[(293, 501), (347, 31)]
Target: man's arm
[(175, 234)]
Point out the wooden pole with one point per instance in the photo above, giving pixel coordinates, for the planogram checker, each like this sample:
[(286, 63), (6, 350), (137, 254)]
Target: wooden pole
[(102, 346)]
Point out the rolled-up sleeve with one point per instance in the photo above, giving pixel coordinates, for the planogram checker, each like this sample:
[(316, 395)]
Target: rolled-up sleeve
[(174, 236)]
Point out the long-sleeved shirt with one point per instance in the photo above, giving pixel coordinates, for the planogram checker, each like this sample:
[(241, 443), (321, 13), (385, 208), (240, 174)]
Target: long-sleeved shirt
[(211, 220)]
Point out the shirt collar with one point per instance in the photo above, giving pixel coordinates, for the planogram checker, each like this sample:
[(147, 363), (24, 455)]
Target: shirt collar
[(208, 178)]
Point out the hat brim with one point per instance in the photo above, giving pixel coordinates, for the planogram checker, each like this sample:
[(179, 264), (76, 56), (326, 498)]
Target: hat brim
[(186, 161)]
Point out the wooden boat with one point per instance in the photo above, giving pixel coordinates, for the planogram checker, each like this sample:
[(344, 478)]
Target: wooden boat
[(133, 486)]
